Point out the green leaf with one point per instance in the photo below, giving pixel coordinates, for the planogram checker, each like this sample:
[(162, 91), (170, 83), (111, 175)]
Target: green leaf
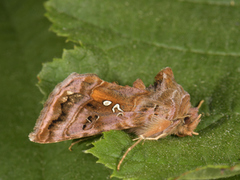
[(210, 172), (125, 40), (170, 156), (77, 60)]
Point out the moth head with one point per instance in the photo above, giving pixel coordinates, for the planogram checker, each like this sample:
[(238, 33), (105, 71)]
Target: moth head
[(190, 123)]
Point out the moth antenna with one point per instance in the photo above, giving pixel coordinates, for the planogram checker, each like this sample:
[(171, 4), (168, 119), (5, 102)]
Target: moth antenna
[(129, 149), (200, 104)]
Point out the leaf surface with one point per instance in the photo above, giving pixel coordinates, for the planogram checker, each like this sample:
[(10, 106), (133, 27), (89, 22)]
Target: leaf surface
[(125, 40)]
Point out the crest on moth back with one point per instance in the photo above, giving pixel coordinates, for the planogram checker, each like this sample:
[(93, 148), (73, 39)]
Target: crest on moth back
[(84, 105)]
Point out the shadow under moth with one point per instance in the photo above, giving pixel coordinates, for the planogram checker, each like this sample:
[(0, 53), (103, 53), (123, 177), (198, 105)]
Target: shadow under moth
[(83, 105)]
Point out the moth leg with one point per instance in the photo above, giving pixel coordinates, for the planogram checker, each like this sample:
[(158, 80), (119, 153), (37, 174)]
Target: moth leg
[(129, 149), (139, 139), (158, 137), (141, 136), (73, 143), (76, 142)]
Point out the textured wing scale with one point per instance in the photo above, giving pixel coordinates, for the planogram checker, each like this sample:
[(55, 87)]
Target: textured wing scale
[(75, 109)]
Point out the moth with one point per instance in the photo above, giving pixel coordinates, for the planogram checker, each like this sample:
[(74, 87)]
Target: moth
[(83, 105)]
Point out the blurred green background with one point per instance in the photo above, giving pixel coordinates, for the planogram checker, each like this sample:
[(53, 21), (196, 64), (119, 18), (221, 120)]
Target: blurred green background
[(25, 43)]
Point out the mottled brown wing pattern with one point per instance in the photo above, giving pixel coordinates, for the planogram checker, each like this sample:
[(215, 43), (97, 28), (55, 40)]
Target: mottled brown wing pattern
[(85, 105)]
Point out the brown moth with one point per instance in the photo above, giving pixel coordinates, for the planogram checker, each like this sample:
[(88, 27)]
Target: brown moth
[(83, 105)]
